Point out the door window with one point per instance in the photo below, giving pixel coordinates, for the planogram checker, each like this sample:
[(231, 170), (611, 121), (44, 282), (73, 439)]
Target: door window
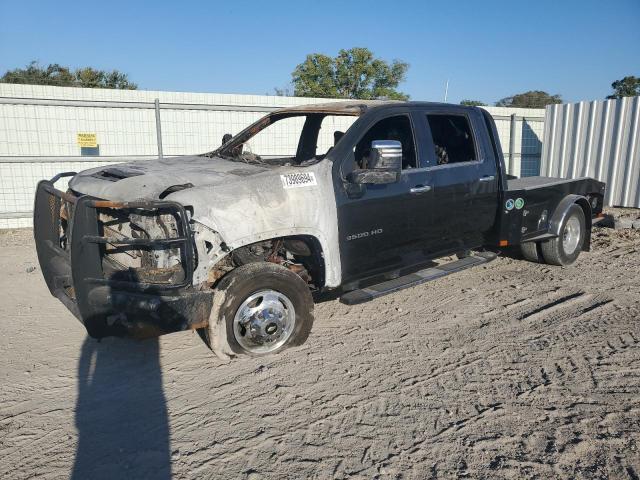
[(391, 128), (452, 139)]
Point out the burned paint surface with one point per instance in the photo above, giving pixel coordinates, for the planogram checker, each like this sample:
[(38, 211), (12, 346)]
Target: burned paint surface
[(237, 202), (150, 178), (353, 107)]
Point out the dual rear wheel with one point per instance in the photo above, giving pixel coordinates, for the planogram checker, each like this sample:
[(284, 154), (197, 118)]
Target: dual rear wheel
[(566, 247)]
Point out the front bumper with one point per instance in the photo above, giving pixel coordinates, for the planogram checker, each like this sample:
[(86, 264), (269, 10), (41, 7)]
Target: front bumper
[(70, 244)]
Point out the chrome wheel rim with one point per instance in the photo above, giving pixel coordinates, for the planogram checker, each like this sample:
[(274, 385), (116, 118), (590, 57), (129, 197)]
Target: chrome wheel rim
[(571, 236), (264, 322)]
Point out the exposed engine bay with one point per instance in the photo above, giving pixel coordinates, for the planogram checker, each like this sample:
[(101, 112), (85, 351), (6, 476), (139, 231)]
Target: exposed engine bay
[(141, 263)]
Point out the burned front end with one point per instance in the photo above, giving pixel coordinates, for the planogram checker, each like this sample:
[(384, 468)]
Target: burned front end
[(122, 268)]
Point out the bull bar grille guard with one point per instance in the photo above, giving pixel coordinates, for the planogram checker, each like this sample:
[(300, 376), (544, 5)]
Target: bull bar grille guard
[(71, 263)]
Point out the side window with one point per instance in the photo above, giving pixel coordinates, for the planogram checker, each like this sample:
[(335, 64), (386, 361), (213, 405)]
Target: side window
[(390, 128), (452, 138)]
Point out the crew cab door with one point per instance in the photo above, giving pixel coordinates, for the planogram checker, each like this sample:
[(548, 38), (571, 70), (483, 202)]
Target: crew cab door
[(379, 225), (463, 175)]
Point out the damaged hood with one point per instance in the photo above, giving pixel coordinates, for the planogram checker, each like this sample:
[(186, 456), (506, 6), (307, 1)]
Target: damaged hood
[(154, 179)]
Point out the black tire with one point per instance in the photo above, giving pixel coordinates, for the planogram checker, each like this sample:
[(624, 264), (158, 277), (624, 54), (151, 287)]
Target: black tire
[(532, 251), (553, 249), (238, 286)]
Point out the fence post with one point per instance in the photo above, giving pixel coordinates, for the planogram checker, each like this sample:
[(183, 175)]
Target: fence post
[(158, 128), (512, 145)]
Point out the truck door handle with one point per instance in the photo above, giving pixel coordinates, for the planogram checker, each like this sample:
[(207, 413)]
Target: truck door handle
[(487, 178), (420, 189)]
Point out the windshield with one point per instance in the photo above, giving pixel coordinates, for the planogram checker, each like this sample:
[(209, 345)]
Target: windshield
[(287, 138)]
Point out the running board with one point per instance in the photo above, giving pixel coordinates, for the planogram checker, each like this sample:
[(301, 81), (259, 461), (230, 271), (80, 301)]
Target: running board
[(411, 280)]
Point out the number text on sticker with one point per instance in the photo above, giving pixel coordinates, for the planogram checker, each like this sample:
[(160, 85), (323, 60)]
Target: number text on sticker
[(294, 180)]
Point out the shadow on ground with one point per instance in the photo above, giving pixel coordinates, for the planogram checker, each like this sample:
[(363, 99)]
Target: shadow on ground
[(121, 411)]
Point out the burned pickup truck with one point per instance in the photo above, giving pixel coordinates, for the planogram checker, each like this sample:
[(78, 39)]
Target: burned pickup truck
[(350, 199)]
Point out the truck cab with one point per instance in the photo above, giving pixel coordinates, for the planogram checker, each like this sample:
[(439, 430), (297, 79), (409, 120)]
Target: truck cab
[(444, 200)]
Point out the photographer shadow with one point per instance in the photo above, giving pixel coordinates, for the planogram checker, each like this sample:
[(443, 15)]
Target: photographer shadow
[(121, 411)]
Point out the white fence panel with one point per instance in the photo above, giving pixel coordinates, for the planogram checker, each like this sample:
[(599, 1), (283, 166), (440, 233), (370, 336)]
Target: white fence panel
[(520, 131), (596, 139)]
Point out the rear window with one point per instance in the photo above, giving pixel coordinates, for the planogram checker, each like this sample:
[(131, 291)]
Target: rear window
[(452, 138)]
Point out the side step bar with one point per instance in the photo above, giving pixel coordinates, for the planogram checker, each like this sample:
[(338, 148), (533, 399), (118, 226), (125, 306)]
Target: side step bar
[(411, 280)]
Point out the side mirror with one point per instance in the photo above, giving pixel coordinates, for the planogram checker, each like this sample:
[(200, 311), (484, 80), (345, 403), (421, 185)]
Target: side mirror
[(226, 137), (383, 165)]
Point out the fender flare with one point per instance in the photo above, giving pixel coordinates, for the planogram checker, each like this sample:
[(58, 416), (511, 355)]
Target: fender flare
[(561, 212)]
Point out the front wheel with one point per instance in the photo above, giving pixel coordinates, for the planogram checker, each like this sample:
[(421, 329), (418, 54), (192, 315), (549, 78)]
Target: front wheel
[(564, 249), (259, 309)]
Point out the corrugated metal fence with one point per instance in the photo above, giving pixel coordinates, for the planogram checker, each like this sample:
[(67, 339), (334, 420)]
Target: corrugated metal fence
[(39, 124), (596, 139)]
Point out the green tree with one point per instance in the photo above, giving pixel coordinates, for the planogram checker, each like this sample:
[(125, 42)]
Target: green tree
[(473, 103), (34, 74), (531, 99), (119, 80), (88, 77), (55, 74), (353, 73), (627, 87)]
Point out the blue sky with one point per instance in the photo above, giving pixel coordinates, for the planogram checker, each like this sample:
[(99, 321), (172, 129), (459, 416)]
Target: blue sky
[(487, 49)]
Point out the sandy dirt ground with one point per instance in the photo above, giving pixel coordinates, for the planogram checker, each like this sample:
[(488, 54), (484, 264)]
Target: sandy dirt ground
[(510, 370)]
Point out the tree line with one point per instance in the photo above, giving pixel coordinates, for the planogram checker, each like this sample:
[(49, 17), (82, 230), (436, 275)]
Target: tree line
[(60, 76), (354, 73)]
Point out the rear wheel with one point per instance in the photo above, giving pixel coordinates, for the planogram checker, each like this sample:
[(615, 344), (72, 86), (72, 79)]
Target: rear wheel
[(532, 252), (259, 309), (564, 249)]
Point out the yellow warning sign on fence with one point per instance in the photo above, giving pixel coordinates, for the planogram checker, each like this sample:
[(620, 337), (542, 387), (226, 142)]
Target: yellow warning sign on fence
[(88, 140)]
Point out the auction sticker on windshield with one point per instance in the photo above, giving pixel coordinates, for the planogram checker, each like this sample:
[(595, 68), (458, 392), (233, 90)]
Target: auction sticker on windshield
[(295, 180)]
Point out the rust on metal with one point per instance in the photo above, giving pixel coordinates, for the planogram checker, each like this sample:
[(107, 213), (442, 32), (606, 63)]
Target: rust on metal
[(107, 204), (300, 270), (159, 275), (201, 324), (60, 194), (348, 107), (52, 207), (216, 274), (67, 197)]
